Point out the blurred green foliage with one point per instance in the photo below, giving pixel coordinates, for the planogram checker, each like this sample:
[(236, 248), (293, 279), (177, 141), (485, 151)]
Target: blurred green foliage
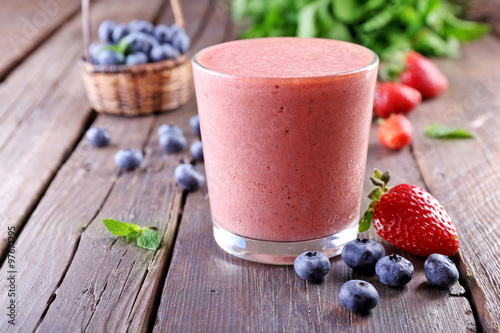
[(385, 26)]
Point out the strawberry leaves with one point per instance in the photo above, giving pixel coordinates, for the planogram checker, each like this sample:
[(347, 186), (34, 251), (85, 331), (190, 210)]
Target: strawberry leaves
[(380, 180)]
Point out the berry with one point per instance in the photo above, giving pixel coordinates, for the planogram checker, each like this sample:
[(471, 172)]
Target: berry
[(98, 136), (312, 265), (393, 97), (140, 42), (196, 150), (362, 254), (141, 26), (163, 33), (94, 50), (394, 270), (410, 218), (109, 57), (358, 295), (423, 75), (120, 31), (181, 41), (440, 271), (189, 177), (194, 123), (136, 59), (129, 159), (172, 142), (395, 132), (105, 31), (162, 52), (167, 128)]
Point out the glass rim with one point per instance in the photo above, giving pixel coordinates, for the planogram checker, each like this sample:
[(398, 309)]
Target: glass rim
[(374, 62)]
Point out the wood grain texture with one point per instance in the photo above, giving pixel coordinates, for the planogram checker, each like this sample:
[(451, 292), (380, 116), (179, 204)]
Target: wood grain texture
[(44, 110), (24, 24), (234, 295), (115, 283), (208, 290), (464, 175)]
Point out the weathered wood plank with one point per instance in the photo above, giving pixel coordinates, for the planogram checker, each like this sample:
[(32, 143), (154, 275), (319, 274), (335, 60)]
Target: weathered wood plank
[(465, 174), (44, 109), (27, 164), (91, 266), (487, 11), (24, 24), (209, 290)]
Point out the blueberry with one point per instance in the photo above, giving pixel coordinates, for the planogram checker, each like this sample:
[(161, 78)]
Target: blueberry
[(312, 265), (440, 271), (142, 26), (140, 42), (162, 52), (109, 57), (194, 123), (94, 50), (172, 142), (394, 270), (137, 58), (196, 150), (362, 255), (358, 295), (167, 128), (181, 41), (98, 136), (163, 33), (129, 159), (105, 31), (120, 31), (189, 177)]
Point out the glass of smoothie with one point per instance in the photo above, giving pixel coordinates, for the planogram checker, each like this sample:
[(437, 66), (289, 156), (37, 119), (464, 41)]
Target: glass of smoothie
[(285, 125)]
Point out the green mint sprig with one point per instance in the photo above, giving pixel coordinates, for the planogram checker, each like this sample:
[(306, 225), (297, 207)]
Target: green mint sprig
[(122, 47), (441, 131), (147, 238)]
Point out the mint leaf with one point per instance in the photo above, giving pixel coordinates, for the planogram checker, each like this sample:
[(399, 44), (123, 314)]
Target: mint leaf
[(441, 131), (131, 235), (365, 221), (120, 228), (123, 46), (149, 239)]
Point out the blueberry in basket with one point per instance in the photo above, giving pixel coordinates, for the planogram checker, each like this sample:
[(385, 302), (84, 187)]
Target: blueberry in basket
[(138, 42), (120, 31), (105, 31), (163, 33), (137, 58), (110, 57), (163, 52)]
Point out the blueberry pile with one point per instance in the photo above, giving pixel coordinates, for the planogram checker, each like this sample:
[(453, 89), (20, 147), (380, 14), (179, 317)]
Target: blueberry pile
[(171, 140), (366, 256), (138, 42)]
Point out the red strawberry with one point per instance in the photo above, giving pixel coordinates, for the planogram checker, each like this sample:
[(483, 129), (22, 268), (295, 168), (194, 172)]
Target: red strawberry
[(423, 75), (395, 132), (393, 97), (410, 218)]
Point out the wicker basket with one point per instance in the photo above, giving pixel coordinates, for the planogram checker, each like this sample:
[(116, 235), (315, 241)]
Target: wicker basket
[(140, 89)]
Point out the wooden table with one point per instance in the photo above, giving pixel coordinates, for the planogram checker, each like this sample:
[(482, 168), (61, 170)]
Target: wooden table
[(72, 275)]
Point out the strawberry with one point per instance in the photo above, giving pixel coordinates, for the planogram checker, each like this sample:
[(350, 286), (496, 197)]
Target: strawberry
[(393, 97), (395, 132), (409, 218), (423, 75)]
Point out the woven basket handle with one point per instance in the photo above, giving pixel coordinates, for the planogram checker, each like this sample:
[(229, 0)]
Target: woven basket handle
[(176, 9)]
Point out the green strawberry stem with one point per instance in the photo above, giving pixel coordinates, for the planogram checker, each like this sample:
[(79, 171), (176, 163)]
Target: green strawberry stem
[(380, 180)]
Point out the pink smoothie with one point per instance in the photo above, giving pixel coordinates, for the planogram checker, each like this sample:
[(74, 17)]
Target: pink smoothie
[(285, 125)]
